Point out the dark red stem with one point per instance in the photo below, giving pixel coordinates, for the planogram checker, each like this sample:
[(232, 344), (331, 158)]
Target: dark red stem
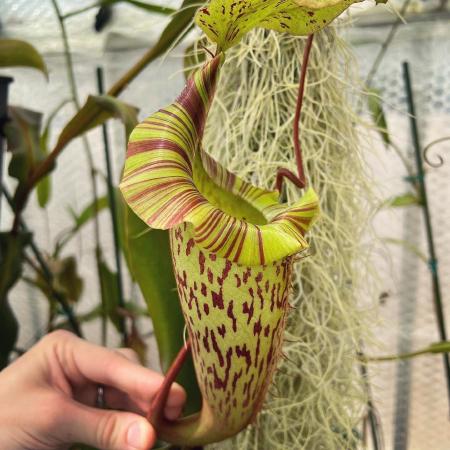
[(299, 179), (155, 413)]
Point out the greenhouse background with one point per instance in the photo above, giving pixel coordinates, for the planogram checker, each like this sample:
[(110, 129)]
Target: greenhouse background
[(410, 398)]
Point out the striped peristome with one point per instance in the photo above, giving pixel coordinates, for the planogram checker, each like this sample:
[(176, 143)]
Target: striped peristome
[(233, 246), (162, 187)]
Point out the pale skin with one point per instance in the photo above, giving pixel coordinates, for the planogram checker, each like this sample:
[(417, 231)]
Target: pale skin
[(48, 396)]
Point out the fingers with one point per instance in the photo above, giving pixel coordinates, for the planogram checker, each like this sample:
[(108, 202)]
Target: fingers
[(108, 430), (83, 361)]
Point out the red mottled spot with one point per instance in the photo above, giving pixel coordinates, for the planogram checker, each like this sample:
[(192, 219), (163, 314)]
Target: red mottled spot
[(217, 349), (238, 280), (217, 299), (179, 235), (257, 328), (189, 246), (278, 270), (205, 11), (212, 256), (248, 310), (260, 296), (231, 315), (267, 286), (221, 330), (205, 340), (259, 277), (247, 388), (267, 330), (201, 262), (218, 382), (245, 353), (195, 286), (206, 308), (210, 276), (246, 275), (236, 377), (178, 249), (204, 290), (193, 297), (310, 13), (272, 298)]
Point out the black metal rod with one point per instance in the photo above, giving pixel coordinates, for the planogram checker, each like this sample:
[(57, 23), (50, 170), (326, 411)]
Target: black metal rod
[(46, 271), (113, 208), (433, 261), (4, 86)]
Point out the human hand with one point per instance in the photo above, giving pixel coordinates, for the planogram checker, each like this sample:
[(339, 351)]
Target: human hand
[(47, 398)]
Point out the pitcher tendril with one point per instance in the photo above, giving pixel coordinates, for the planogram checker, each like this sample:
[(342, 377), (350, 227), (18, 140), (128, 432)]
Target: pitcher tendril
[(298, 180)]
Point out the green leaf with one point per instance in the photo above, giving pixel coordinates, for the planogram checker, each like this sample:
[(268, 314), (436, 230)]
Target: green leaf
[(109, 292), (89, 212), (143, 5), (11, 256), (407, 199), (375, 104), (148, 256), (96, 111), (23, 141), (65, 280), (225, 22), (15, 53), (43, 188)]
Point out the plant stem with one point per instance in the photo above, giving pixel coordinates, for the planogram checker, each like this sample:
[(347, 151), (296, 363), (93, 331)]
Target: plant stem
[(46, 272), (384, 48), (299, 179), (81, 10), (155, 412), (433, 262), (113, 209)]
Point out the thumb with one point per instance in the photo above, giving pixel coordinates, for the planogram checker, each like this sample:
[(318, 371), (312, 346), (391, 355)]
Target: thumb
[(109, 430)]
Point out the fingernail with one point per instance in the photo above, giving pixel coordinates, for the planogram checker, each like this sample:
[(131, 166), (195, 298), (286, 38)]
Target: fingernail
[(136, 435), (172, 412)]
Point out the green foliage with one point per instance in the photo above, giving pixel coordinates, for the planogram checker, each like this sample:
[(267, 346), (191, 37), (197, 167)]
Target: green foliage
[(406, 199), (11, 255), (16, 53), (43, 188), (96, 111), (109, 293), (65, 280)]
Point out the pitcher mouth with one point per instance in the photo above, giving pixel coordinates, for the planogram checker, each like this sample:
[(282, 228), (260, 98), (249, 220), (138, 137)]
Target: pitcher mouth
[(169, 179)]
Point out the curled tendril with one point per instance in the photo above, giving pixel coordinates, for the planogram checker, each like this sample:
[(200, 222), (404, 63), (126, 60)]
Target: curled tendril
[(440, 159)]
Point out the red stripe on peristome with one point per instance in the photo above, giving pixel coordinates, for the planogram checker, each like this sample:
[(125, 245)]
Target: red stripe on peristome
[(154, 145), (199, 228), (261, 247), (207, 231), (241, 244), (226, 237)]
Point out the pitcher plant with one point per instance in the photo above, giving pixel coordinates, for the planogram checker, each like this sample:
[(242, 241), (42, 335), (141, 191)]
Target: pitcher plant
[(233, 244)]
